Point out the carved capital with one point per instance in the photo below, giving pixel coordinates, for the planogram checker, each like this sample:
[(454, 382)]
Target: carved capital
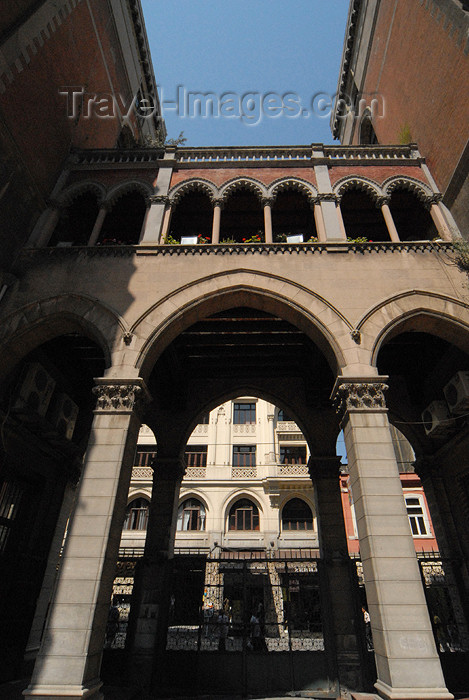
[(159, 199), (329, 197), (120, 397), (426, 467), (168, 469), (381, 201), (218, 202), (359, 395), (324, 468), (267, 201)]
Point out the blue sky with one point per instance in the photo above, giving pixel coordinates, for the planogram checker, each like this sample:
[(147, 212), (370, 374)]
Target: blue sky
[(270, 66)]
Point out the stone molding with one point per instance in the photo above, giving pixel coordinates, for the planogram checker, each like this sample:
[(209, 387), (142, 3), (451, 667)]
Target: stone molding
[(240, 248), (124, 396), (359, 394), (159, 199)]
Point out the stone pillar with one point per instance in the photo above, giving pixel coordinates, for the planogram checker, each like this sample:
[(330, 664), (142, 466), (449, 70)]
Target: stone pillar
[(150, 601), (319, 221), (267, 204), (332, 217), (217, 206), (440, 221), (49, 226), (98, 225), (407, 662), (154, 220), (341, 579), (383, 204), (50, 574), (69, 660), (166, 222), (430, 470)]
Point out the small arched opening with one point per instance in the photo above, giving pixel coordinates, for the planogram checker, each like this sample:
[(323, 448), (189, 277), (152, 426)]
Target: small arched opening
[(123, 223), (136, 515), (76, 221), (243, 516), (192, 216), (191, 516), (362, 218), (242, 217), (292, 215), (367, 133), (411, 218)]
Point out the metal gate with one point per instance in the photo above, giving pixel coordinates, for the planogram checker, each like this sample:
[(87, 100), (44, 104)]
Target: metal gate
[(243, 624)]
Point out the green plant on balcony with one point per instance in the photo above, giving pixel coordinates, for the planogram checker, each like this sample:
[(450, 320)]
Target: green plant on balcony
[(255, 238), (359, 239), (202, 240), (313, 239), (228, 240), (461, 259), (170, 240), (280, 237)]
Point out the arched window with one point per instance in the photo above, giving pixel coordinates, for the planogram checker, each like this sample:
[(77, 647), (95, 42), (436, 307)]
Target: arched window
[(242, 216), (244, 515), (192, 216), (136, 517), (297, 515), (411, 218), (76, 221), (191, 515), (123, 224)]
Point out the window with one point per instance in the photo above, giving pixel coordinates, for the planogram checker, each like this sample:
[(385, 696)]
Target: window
[(191, 515), (244, 413), (144, 456), (244, 455), (244, 515), (137, 515), (297, 515), (293, 454), (196, 455), (205, 419), (417, 517)]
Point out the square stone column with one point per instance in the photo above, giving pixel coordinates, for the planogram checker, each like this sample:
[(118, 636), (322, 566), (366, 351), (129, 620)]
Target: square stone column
[(148, 623), (68, 664), (342, 586), (406, 658)]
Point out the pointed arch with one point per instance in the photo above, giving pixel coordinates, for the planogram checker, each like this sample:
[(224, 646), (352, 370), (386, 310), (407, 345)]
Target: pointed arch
[(411, 184), (122, 189), (68, 196)]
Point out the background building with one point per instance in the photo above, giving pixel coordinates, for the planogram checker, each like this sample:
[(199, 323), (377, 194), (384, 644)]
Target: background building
[(410, 57)]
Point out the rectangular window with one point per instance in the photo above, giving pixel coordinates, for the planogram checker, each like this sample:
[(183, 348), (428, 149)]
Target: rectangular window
[(10, 499), (144, 456), (244, 413), (244, 455), (292, 454), (196, 455), (416, 514)]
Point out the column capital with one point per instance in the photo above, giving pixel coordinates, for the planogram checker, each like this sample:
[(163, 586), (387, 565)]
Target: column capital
[(159, 199), (267, 201), (426, 467), (359, 394), (382, 200), (328, 197), (324, 467), (218, 202), (120, 395), (168, 469)]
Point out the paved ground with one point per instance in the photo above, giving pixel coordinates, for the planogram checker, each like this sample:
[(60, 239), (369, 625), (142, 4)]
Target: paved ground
[(13, 691)]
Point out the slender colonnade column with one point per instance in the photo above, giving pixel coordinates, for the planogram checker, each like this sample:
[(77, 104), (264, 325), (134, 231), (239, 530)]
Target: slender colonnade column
[(383, 204), (407, 662), (98, 225), (267, 204), (68, 664), (217, 207)]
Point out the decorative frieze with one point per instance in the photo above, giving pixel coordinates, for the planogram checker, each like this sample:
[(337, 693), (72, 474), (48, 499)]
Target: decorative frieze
[(359, 395), (124, 397)]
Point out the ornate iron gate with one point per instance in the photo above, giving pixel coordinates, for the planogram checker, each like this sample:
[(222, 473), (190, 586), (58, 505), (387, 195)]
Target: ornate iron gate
[(243, 623)]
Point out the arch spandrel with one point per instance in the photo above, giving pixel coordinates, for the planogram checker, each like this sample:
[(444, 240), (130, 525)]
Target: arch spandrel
[(310, 312), (434, 313), (34, 324)]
